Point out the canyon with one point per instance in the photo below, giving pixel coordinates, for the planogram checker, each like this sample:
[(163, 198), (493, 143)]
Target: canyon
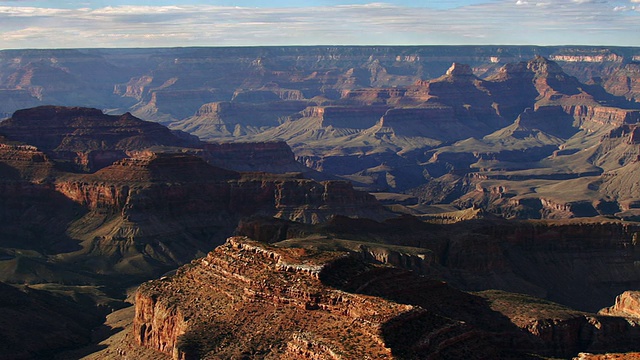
[(444, 124), (320, 202), (85, 231)]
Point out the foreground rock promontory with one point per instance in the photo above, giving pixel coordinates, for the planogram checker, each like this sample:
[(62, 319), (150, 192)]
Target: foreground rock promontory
[(274, 302)]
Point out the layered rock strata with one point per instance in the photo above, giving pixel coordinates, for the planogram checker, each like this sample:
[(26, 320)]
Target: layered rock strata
[(583, 264), (250, 299), (162, 181), (87, 137), (272, 157), (144, 215), (274, 303)]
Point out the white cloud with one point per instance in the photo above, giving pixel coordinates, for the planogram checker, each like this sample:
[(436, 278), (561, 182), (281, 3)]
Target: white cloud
[(497, 22)]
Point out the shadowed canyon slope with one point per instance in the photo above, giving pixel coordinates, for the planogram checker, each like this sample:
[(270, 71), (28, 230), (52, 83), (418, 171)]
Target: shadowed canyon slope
[(141, 211)]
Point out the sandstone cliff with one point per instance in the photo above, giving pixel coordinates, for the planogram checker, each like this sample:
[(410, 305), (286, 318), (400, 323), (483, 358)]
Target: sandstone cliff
[(220, 120), (562, 157), (24, 162), (315, 102), (625, 81), (143, 212)]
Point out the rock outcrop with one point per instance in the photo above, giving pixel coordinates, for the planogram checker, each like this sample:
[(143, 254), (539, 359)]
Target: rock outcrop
[(228, 120), (537, 158), (565, 332), (145, 215), (350, 117), (24, 162), (625, 81), (130, 183), (627, 305), (250, 299), (581, 264), (143, 212), (375, 115), (293, 312), (85, 136)]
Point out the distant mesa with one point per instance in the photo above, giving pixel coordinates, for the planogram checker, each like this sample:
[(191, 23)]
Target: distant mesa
[(56, 128), (87, 137)]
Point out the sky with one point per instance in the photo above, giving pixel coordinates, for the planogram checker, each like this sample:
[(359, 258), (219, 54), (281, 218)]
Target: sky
[(164, 23)]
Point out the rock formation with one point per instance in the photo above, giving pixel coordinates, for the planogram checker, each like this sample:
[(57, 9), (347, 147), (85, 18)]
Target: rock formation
[(142, 215), (293, 312), (86, 136), (106, 201), (250, 299), (581, 264), (544, 149), (625, 81), (226, 120), (152, 213), (626, 305), (386, 118), (148, 211), (273, 157)]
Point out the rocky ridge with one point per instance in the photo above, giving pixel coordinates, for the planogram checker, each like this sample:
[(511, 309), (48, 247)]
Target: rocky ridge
[(282, 287), (114, 221), (544, 149), (583, 264), (176, 206), (626, 305), (324, 304), (143, 79), (87, 137)]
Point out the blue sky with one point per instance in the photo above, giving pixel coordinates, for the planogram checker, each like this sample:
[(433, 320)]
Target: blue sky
[(246, 3), (134, 23)]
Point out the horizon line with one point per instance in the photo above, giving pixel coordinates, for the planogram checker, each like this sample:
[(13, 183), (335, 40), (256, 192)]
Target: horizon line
[(319, 46)]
